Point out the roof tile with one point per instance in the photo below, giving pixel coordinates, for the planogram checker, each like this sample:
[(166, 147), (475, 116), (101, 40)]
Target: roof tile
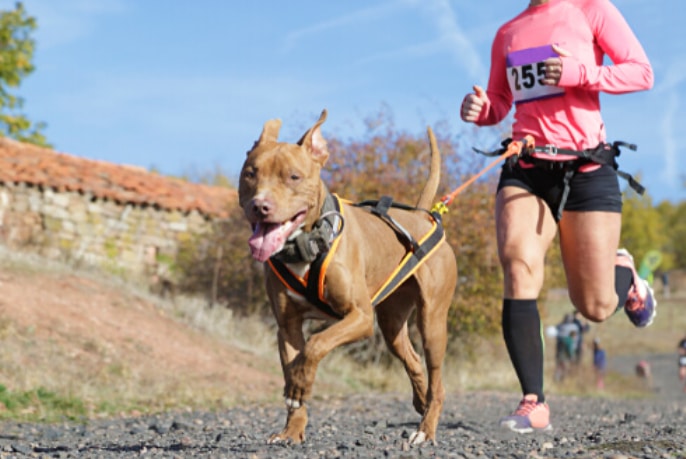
[(26, 163)]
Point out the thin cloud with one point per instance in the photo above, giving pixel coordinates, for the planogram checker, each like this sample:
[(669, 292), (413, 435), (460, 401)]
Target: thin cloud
[(668, 90), (66, 21), (670, 173), (451, 37), (354, 18), (454, 37)]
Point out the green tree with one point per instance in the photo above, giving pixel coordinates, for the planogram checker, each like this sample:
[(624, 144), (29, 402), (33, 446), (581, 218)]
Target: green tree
[(643, 229), (16, 56), (674, 250)]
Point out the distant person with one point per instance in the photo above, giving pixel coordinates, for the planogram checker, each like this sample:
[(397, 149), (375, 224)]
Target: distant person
[(583, 326), (644, 372), (565, 346), (682, 361), (599, 364), (665, 284)]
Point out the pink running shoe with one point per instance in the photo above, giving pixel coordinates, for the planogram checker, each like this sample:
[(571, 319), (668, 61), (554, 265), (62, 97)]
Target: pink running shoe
[(641, 305), (529, 416)]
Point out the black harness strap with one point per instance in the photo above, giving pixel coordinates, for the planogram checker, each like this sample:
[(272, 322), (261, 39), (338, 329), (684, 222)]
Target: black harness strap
[(416, 251), (380, 209), (410, 263), (309, 291)]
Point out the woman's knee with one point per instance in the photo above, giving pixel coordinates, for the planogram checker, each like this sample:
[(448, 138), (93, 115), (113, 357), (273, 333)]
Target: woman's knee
[(522, 278), (595, 310)]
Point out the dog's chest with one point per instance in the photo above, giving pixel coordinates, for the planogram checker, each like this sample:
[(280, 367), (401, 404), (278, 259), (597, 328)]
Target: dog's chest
[(312, 311)]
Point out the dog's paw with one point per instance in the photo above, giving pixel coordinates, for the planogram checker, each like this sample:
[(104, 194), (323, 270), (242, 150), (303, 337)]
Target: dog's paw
[(277, 439), (284, 438), (417, 438), (293, 404)]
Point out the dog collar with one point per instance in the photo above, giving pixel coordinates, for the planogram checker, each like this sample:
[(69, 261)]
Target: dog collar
[(307, 246)]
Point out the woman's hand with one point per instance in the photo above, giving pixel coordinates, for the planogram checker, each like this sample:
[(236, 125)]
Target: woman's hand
[(553, 67), (472, 104)]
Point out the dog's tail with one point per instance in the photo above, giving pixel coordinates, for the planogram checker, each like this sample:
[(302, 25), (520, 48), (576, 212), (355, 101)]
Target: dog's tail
[(429, 191)]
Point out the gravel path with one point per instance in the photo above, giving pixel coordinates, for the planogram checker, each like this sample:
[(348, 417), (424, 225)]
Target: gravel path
[(370, 426)]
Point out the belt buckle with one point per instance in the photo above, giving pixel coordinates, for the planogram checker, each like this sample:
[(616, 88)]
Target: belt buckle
[(551, 149)]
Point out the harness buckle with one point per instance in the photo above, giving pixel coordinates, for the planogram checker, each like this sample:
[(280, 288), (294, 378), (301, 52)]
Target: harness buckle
[(550, 149)]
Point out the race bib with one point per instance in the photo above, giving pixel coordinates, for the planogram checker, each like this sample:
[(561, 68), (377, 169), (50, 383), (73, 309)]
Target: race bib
[(525, 73)]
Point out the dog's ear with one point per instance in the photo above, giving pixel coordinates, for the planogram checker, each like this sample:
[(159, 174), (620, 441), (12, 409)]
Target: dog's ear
[(270, 133), (314, 140)]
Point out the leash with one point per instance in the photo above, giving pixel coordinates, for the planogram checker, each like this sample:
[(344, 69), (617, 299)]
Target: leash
[(513, 148)]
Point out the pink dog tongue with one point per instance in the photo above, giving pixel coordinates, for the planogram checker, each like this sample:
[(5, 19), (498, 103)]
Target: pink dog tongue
[(266, 240)]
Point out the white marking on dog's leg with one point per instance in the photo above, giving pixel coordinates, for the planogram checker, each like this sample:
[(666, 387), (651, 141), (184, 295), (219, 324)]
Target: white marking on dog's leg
[(417, 438), (294, 404)]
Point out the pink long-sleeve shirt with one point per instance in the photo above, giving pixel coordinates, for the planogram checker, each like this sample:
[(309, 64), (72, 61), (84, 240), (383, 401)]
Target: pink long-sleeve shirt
[(567, 115)]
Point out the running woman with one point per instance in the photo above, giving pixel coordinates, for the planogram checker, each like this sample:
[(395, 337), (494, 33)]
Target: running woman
[(548, 63)]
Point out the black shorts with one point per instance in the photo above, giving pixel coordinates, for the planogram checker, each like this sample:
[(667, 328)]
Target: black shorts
[(596, 190)]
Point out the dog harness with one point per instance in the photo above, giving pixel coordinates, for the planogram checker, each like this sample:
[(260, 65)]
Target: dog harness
[(604, 154), (311, 286)]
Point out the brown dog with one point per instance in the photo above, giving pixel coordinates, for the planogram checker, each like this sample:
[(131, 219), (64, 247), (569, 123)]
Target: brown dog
[(282, 195)]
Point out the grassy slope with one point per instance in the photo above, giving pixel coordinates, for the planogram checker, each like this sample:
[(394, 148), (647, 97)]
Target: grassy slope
[(55, 365)]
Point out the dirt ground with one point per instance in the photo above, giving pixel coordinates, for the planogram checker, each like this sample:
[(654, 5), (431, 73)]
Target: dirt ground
[(60, 329)]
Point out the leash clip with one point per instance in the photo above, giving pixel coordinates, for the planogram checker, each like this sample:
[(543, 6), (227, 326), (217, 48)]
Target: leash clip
[(441, 207)]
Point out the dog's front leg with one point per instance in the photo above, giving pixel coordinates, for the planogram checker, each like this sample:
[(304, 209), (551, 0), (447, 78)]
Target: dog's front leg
[(357, 324), (291, 344)]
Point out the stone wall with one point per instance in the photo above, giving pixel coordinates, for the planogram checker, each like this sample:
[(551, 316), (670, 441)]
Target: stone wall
[(132, 240)]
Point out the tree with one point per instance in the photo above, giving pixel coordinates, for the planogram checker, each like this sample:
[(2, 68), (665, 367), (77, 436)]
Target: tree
[(643, 228), (16, 56), (386, 161), (673, 217)]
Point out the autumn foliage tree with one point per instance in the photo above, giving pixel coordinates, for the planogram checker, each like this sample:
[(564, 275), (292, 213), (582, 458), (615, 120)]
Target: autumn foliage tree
[(383, 161), (219, 267), (387, 161)]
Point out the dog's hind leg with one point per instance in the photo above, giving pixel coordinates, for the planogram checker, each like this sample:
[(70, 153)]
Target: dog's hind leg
[(432, 322), (433, 329), (392, 316)]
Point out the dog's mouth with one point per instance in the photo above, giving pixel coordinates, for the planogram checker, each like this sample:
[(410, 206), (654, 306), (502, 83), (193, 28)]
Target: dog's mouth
[(269, 238)]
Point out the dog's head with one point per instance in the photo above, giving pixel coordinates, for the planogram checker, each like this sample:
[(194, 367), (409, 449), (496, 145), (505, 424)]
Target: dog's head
[(280, 189)]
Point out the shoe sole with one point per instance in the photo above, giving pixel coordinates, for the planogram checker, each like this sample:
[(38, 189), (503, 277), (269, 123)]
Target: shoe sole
[(511, 425)]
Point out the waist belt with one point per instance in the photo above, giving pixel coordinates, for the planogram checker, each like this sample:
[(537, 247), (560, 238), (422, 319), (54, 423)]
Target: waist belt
[(604, 154), (311, 286)]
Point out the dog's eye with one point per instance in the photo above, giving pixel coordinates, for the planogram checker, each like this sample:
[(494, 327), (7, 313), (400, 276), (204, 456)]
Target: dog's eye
[(295, 177), (249, 173)]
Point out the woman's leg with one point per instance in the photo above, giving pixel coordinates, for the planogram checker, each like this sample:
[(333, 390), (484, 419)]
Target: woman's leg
[(525, 228), (588, 242)]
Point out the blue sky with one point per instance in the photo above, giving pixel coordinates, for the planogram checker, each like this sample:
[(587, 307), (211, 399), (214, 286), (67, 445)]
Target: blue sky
[(186, 86)]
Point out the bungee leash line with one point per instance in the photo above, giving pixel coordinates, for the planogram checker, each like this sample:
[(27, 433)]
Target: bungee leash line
[(513, 148)]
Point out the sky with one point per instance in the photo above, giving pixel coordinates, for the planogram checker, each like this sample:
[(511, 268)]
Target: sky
[(185, 87)]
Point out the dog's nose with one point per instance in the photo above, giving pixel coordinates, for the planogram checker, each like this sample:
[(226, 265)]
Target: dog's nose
[(261, 207)]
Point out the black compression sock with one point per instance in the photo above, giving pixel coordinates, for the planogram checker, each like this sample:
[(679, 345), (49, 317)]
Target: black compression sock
[(623, 279), (522, 332)]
